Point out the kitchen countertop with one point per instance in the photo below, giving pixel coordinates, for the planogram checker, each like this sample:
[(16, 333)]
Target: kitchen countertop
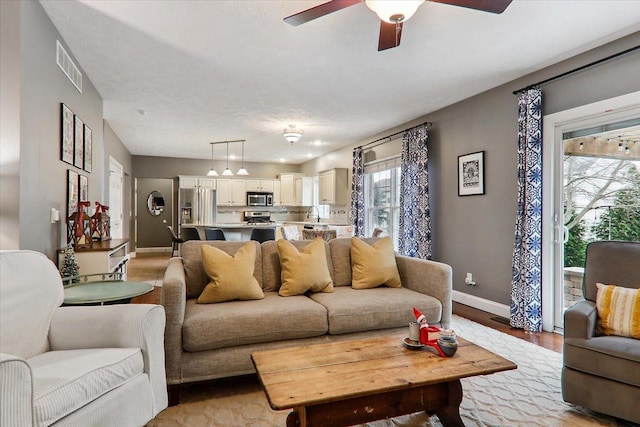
[(232, 225)]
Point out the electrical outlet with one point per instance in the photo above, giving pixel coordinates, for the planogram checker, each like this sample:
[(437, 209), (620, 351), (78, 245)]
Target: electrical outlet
[(469, 280)]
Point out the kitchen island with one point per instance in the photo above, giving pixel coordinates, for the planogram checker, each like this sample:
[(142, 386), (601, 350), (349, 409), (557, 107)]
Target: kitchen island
[(239, 231)]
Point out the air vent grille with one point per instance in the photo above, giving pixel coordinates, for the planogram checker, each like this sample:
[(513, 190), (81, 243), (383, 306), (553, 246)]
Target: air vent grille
[(68, 67)]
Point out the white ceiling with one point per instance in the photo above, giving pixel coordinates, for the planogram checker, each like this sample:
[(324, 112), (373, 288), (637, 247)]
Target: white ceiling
[(206, 71)]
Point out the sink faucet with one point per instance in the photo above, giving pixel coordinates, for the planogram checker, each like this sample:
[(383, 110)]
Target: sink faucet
[(317, 211)]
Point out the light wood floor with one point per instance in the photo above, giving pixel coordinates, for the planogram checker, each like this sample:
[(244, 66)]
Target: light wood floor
[(151, 267)]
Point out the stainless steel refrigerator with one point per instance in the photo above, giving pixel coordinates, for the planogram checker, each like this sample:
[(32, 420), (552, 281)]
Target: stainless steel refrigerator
[(197, 206)]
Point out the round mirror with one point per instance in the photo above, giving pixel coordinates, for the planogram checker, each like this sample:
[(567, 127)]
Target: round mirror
[(155, 203)]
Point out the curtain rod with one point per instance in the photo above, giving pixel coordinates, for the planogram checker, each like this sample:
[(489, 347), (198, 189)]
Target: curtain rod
[(575, 70), (379, 140)]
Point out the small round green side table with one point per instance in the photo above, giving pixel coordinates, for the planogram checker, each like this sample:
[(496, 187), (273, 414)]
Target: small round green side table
[(104, 292)]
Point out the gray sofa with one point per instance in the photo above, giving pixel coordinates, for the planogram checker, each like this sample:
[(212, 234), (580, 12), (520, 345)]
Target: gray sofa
[(599, 372), (208, 341)]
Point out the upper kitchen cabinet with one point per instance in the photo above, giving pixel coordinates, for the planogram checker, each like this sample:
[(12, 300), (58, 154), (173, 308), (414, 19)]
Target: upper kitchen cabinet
[(277, 194), (333, 187), (287, 189), (231, 192), (195, 182), (263, 185), (304, 191)]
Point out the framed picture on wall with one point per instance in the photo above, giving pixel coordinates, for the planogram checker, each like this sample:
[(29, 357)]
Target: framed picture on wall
[(66, 135), (78, 142), (87, 148), (84, 189), (471, 174), (72, 191)]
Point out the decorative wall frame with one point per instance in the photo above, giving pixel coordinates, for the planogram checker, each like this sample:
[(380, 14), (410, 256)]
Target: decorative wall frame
[(471, 174), (66, 134), (78, 142), (88, 154), (83, 187), (72, 192)]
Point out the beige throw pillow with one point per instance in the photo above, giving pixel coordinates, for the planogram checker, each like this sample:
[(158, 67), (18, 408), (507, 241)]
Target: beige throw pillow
[(373, 265), (304, 270), (231, 276)]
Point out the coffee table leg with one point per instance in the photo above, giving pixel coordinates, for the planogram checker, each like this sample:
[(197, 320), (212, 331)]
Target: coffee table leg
[(449, 415), (297, 418)]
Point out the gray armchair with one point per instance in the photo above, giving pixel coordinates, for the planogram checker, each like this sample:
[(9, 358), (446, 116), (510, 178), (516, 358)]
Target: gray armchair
[(602, 373)]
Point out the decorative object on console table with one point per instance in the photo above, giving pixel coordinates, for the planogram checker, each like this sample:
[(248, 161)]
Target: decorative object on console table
[(101, 223), (78, 143), (66, 135), (88, 149), (79, 227), (72, 192), (471, 174), (69, 266)]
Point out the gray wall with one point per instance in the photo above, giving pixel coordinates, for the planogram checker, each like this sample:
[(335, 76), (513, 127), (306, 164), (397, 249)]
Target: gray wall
[(475, 233), (10, 125), (43, 175)]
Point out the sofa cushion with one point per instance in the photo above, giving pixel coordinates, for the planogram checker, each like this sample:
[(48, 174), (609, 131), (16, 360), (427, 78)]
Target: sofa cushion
[(66, 380), (231, 276), (194, 270), (341, 259), (355, 310), (271, 269), (616, 358), (305, 269), (374, 264), (618, 310), (234, 323)]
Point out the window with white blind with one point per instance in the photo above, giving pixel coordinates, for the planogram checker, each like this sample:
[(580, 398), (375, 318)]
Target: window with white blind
[(382, 197)]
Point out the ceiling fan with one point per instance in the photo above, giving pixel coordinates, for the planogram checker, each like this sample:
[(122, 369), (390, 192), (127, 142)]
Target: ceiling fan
[(392, 13)]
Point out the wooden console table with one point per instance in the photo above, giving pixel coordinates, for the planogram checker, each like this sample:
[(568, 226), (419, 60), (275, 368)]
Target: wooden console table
[(108, 256)]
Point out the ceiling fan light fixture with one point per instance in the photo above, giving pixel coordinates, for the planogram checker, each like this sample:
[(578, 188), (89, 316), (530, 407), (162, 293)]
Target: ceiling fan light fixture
[(291, 134), (394, 11)]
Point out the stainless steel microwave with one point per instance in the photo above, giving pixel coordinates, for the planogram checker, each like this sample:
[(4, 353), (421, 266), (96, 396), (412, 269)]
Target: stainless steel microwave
[(259, 199)]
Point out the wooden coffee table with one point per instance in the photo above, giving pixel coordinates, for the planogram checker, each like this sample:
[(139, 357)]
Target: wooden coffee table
[(358, 381)]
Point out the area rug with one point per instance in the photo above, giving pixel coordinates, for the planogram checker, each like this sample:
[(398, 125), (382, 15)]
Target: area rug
[(528, 396)]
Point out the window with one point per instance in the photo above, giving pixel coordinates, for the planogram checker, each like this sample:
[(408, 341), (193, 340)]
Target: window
[(382, 198)]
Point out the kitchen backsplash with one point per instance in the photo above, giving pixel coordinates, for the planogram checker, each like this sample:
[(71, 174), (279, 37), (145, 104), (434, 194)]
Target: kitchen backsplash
[(338, 214)]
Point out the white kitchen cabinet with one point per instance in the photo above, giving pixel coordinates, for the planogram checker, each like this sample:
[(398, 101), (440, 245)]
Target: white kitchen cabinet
[(231, 192), (304, 191), (207, 183), (195, 182), (333, 187), (287, 190), (263, 185), (277, 194)]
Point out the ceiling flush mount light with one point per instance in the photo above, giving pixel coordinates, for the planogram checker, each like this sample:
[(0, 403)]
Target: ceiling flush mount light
[(212, 171), (227, 171), (394, 12), (291, 134), (242, 170)]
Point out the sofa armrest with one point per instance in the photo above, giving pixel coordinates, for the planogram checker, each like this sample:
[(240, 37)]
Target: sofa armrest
[(117, 326), (174, 300), (16, 408), (580, 320), (430, 278)]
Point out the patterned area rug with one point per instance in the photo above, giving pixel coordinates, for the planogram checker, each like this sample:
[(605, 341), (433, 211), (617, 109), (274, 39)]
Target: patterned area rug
[(528, 396)]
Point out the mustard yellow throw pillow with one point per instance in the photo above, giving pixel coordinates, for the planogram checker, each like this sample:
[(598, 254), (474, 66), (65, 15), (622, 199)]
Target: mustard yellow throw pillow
[(373, 265), (304, 270), (231, 276), (618, 310)]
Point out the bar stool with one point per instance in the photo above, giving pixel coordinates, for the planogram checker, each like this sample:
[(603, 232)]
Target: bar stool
[(214, 234), (175, 242), (262, 234), (189, 233)]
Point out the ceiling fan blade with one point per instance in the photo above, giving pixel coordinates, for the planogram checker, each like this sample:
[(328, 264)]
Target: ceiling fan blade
[(389, 35), (493, 6), (319, 11)]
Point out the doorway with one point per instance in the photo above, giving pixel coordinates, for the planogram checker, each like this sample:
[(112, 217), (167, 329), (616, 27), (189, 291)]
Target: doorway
[(116, 197), (153, 212), (577, 143)]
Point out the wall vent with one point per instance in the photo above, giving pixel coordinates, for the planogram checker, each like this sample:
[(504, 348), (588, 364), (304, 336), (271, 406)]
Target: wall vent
[(68, 67)]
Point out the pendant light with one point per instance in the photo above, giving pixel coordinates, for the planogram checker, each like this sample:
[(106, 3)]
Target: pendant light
[(212, 171), (242, 170), (227, 171)]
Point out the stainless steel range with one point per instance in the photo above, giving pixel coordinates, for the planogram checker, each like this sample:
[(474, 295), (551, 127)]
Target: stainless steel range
[(258, 217)]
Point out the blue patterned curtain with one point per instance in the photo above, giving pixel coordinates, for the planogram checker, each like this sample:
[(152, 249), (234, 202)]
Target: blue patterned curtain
[(415, 217), (357, 192), (526, 282)]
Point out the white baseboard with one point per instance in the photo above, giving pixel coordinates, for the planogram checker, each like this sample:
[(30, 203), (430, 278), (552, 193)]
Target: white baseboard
[(152, 250), (482, 304)]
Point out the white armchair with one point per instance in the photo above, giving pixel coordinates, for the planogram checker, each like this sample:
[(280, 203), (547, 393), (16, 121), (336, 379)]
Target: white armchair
[(97, 365)]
